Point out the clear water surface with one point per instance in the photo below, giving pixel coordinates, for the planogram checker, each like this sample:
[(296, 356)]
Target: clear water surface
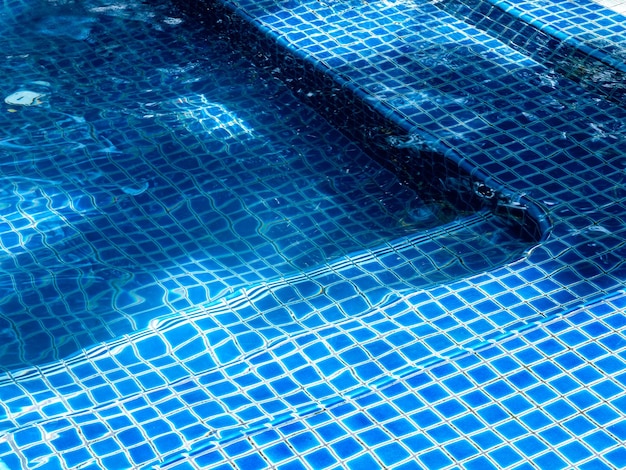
[(147, 167)]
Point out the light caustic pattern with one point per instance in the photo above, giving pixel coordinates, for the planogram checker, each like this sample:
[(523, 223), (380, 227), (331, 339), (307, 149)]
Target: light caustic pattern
[(155, 171), (174, 222)]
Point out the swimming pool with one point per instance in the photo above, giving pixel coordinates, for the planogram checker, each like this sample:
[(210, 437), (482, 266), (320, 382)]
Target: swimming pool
[(142, 185), (200, 270)]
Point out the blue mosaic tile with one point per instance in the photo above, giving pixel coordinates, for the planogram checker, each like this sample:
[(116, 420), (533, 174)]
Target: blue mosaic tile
[(458, 346)]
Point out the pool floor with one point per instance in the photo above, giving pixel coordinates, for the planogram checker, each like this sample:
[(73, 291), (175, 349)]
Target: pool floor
[(199, 271), (143, 183)]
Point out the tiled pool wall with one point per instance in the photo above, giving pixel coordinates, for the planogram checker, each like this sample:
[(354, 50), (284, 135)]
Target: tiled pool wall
[(420, 161), (548, 155), (581, 40), (521, 366), (527, 161)]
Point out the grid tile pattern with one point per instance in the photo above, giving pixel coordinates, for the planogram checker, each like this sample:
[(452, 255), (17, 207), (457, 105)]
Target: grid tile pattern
[(581, 39), (615, 5), (415, 326), (128, 222), (527, 398)]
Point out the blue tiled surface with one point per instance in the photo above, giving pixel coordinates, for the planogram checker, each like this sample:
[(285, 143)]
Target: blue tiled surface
[(190, 282), (581, 39), (590, 27)]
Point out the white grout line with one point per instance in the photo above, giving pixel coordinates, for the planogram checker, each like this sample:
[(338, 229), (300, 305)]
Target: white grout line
[(618, 6)]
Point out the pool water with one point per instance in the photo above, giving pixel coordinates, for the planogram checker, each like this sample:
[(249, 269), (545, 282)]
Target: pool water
[(311, 234), (151, 168)]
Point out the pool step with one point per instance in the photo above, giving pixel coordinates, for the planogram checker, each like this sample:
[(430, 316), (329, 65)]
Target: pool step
[(469, 245), (357, 322), (347, 82), (584, 41)]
